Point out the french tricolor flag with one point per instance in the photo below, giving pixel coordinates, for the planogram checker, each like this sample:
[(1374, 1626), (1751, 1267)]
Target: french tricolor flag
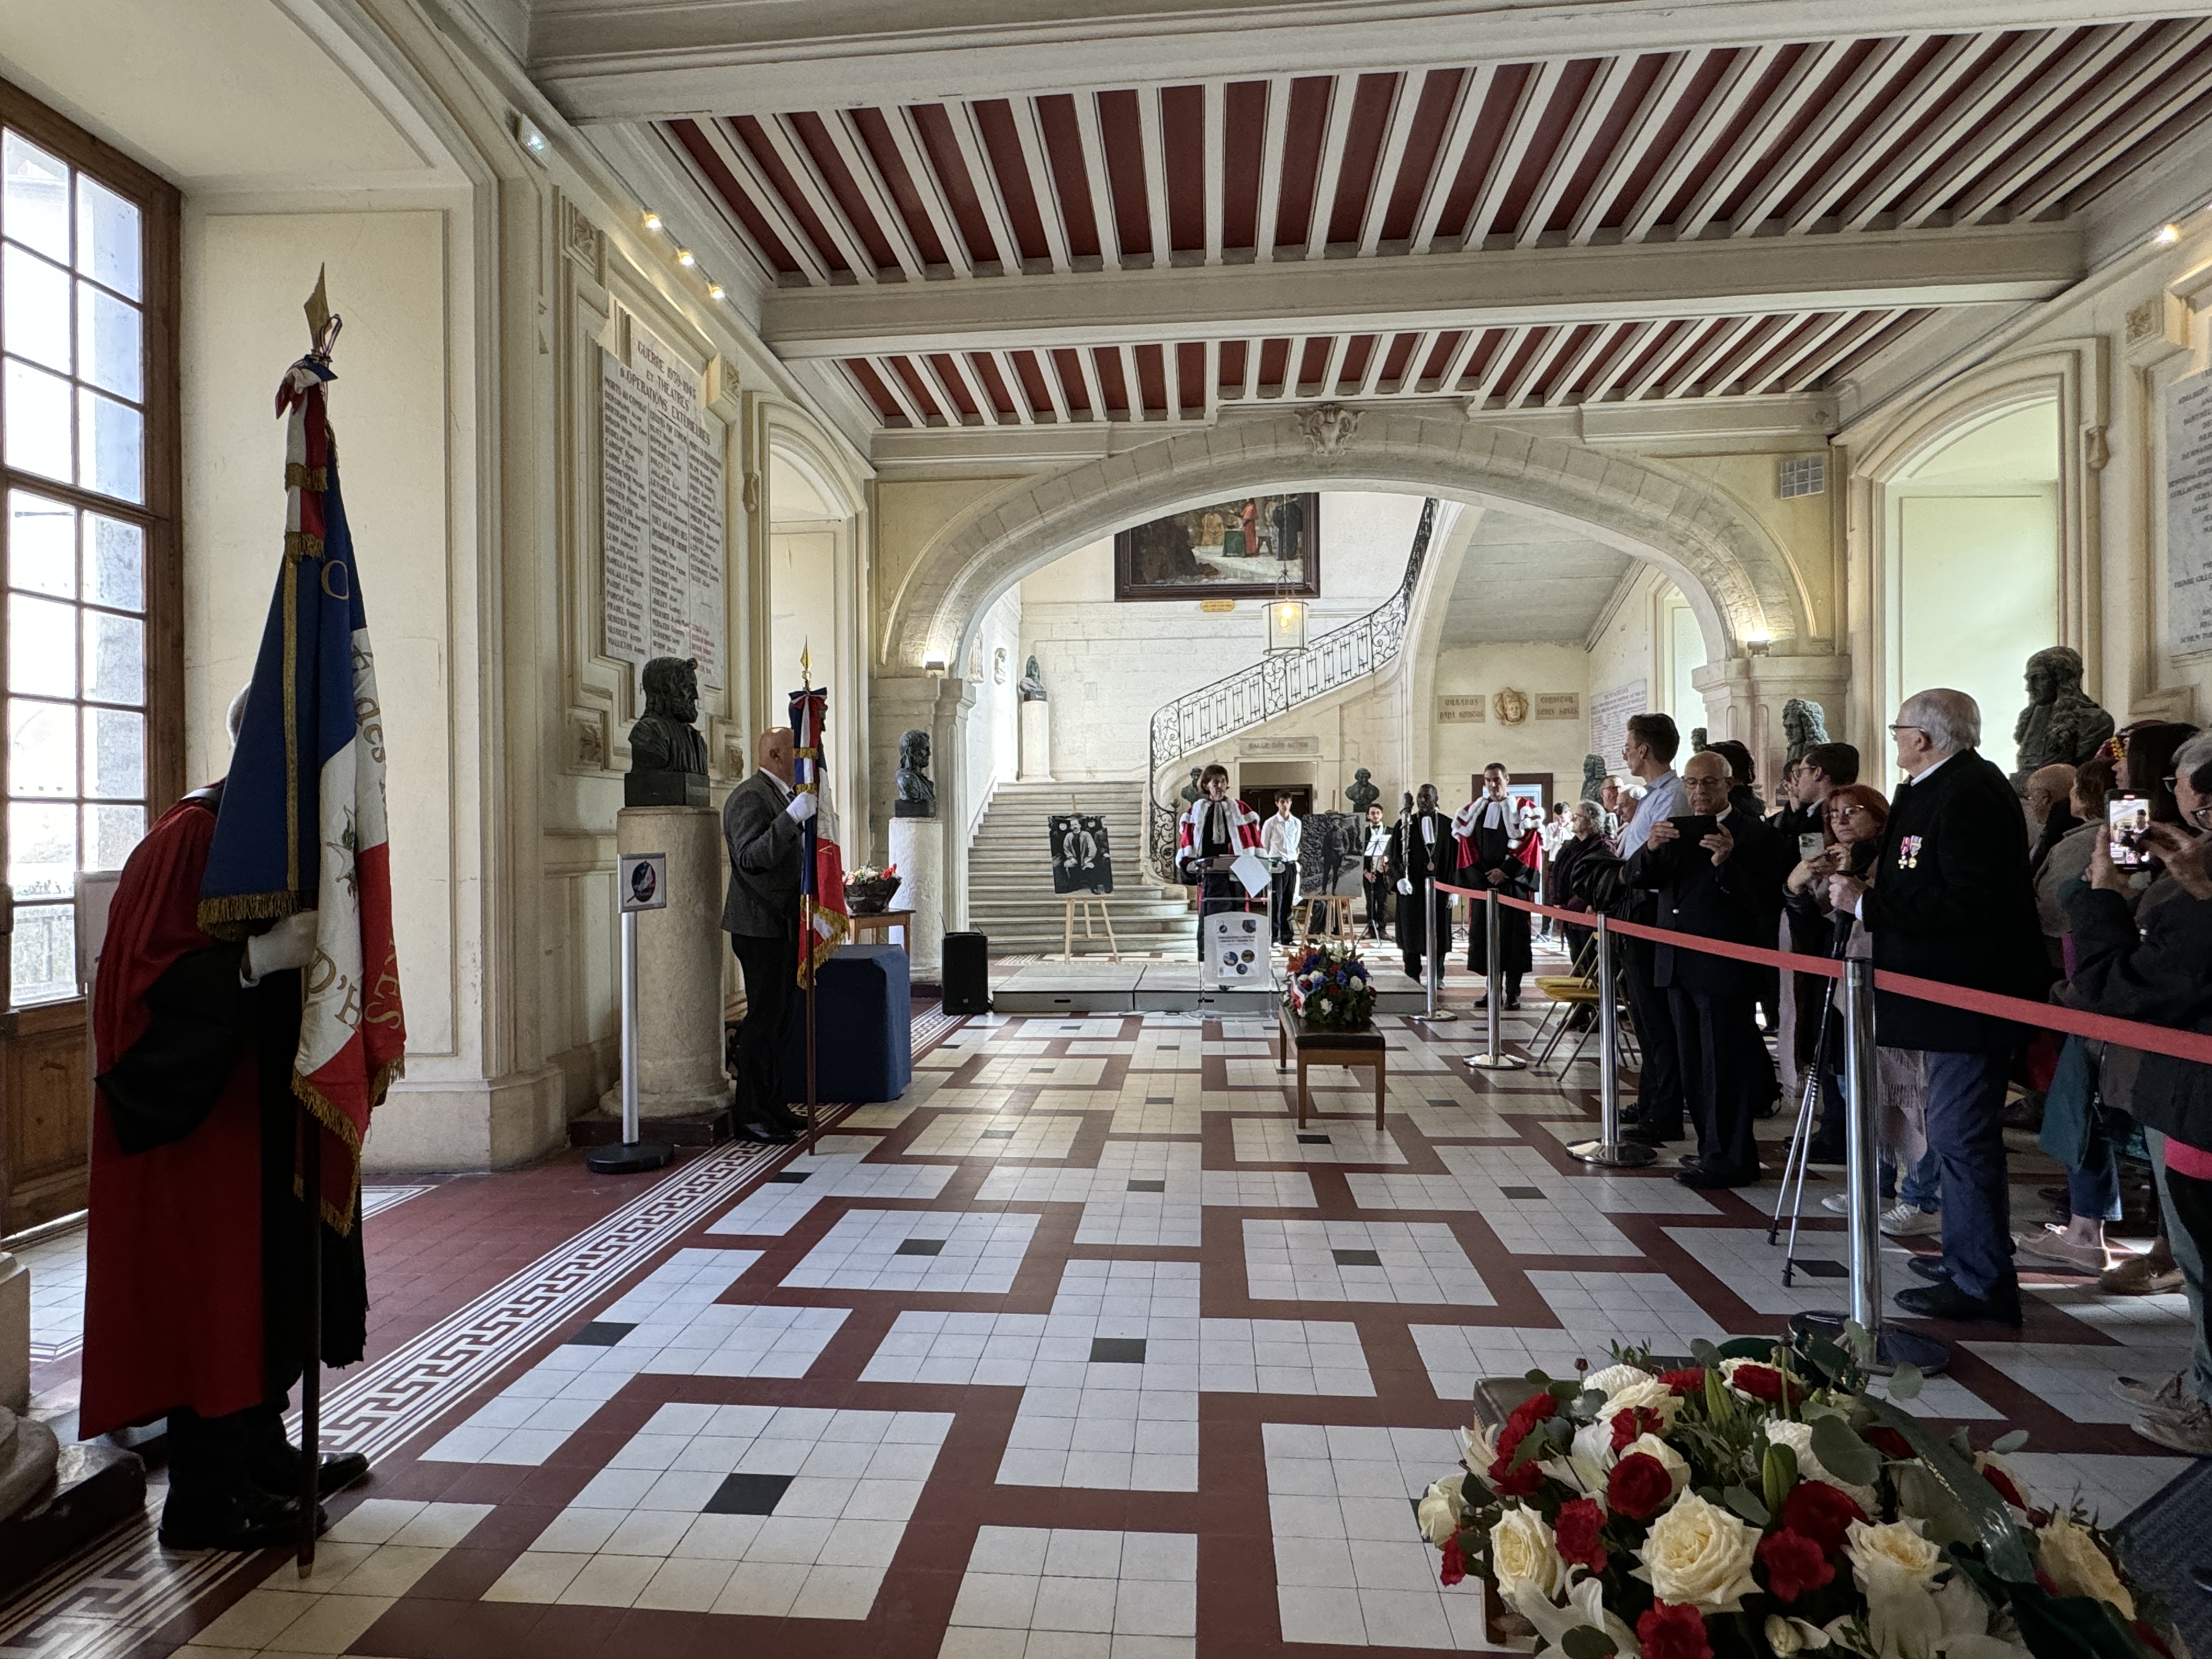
[(302, 823)]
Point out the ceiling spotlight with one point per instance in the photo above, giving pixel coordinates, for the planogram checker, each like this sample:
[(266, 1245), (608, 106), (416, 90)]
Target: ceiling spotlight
[(684, 258), (714, 290), (652, 220), (532, 139), (2167, 236)]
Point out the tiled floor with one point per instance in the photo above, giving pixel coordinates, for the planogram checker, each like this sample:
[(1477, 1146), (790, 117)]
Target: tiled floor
[(1077, 1352)]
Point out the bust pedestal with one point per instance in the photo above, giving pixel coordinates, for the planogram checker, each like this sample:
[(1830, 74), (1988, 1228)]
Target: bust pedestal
[(14, 1334), (917, 847), (679, 965), (1036, 741)]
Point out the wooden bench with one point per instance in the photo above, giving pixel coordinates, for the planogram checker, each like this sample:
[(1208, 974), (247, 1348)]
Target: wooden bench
[(1347, 1048)]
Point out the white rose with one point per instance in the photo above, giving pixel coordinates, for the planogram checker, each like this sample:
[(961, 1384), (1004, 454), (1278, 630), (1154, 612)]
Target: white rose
[(1791, 1636), (1524, 1553), (1669, 1459), (1699, 1555), (1892, 1548), (2078, 1566), (1798, 1437), (1441, 1509), (1614, 1378)]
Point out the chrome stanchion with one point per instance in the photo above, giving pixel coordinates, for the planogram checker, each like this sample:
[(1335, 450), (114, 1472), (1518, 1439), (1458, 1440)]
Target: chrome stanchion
[(1432, 966), (1493, 1057), (634, 1155), (1609, 1149), (1891, 1345)]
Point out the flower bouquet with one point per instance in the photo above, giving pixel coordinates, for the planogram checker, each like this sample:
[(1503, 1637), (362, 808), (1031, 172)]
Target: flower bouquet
[(1329, 990), (868, 890), (1761, 1500)]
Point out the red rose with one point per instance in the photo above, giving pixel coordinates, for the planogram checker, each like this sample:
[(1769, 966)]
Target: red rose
[(2005, 1489), (1672, 1630), (1763, 1383), (1454, 1566), (1576, 1532), (1821, 1512), (1794, 1563), (1536, 1408), (1639, 1487), (1689, 1381), (1508, 1482), (1888, 1442), (1628, 1424)]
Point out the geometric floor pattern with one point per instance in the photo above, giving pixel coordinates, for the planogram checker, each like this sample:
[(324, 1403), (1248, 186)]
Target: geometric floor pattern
[(1080, 1350)]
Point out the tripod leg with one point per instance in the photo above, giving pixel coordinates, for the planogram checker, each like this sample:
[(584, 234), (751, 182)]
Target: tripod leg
[(1793, 1164)]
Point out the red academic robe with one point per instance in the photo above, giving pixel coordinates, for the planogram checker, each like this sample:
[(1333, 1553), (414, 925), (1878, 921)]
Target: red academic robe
[(174, 1291)]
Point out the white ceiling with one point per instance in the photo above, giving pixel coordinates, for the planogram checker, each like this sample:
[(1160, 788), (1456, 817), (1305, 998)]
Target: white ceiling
[(1529, 580)]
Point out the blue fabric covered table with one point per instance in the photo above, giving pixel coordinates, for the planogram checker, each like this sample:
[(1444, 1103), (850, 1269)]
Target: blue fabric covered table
[(863, 1048)]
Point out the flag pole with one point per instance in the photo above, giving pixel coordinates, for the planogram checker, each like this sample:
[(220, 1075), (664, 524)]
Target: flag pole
[(811, 874)]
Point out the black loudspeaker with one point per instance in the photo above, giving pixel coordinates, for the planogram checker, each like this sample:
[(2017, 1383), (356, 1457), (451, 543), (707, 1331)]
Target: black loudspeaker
[(967, 974)]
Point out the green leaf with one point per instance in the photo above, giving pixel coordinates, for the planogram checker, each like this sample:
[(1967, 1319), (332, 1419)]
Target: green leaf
[(1859, 1341), (1777, 1473), (1541, 1379), (1703, 1352), (1961, 1443), (1592, 1401), (1745, 1502), (1587, 1642), (1924, 1498), (1906, 1383), (1720, 1405), (1844, 1455), (2010, 1442)]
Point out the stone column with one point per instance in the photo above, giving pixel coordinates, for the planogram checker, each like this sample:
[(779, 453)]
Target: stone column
[(1036, 742), (679, 965), (918, 849)]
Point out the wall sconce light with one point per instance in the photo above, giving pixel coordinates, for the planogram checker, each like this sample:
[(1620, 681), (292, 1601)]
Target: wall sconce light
[(684, 257), (527, 135), (934, 665), (2167, 236), (1756, 644), (714, 290), (652, 220)]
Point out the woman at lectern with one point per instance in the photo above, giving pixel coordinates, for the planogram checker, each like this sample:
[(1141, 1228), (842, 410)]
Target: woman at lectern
[(1210, 838)]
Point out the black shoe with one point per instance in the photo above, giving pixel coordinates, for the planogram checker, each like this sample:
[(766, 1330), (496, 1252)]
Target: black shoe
[(1645, 1135), (2203, 1578), (1945, 1300), (766, 1135), (1828, 1151), (1930, 1268), (339, 1471), (249, 1519), (1513, 1004), (1701, 1179)]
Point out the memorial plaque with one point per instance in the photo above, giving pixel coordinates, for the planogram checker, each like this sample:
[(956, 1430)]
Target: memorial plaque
[(2189, 512), (1608, 718), (1558, 705), (1462, 711), (661, 497)]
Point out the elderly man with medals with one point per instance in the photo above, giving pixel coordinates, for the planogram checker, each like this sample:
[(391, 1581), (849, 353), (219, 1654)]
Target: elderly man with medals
[(1488, 832), (1212, 834)]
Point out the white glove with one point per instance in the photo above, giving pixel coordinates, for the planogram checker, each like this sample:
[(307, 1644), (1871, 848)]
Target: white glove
[(802, 806), (289, 944), (1404, 885)]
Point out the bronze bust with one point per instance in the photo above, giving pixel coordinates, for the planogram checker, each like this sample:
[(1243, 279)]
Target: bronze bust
[(667, 756), (917, 795)]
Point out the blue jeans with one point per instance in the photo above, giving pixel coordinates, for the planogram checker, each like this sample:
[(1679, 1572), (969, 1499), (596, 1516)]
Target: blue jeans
[(2185, 1231), (2093, 1189), (1924, 1187), (1966, 1133)]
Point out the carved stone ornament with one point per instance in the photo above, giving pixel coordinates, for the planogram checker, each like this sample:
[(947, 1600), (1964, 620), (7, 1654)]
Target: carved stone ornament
[(1329, 427), (998, 666), (1510, 707), (2144, 320), (752, 492), (2096, 449), (590, 742), (667, 755)]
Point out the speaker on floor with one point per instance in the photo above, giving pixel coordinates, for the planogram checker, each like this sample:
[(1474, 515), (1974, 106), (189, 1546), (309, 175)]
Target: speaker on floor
[(967, 974)]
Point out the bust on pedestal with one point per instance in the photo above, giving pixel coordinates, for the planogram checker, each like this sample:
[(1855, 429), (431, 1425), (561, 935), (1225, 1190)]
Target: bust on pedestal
[(917, 848), (1037, 726), (667, 756)]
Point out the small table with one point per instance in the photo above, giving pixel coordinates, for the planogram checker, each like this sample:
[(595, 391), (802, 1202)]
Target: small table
[(879, 923), (1345, 1048)]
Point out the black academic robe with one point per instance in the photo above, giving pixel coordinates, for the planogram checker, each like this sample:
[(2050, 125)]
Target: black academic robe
[(1487, 847), (1420, 856)]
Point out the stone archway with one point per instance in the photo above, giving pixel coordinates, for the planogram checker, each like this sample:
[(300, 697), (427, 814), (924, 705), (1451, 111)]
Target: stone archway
[(1736, 577)]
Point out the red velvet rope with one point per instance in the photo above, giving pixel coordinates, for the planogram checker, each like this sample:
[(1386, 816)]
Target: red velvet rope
[(2046, 1016)]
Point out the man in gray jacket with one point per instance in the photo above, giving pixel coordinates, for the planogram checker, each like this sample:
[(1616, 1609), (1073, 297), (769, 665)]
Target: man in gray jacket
[(761, 823)]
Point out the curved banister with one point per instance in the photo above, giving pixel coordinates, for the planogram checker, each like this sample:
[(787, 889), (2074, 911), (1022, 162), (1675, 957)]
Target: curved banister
[(1274, 685)]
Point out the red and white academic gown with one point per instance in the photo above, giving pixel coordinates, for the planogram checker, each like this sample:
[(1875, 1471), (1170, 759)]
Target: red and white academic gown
[(1489, 838), (196, 1247)]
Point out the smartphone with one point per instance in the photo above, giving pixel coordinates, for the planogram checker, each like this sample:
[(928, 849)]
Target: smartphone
[(1812, 844), (2126, 819), (1694, 827)]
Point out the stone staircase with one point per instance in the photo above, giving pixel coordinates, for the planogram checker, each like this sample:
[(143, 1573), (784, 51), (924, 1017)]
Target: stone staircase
[(1010, 897)]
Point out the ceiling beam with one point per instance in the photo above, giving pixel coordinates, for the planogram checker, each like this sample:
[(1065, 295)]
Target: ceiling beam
[(1715, 277), (627, 60)]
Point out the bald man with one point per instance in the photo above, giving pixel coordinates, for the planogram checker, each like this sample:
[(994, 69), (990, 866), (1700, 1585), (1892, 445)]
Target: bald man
[(761, 823)]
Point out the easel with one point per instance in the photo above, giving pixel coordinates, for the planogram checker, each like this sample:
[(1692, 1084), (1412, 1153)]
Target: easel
[(1087, 905), (1335, 920)]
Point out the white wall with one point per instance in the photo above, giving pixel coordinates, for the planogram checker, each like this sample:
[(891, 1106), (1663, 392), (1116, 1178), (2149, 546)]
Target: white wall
[(995, 730), (1459, 750)]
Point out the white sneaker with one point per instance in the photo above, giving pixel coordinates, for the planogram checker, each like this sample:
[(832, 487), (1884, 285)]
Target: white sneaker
[(1837, 1203), (1903, 1220), (2146, 1394)]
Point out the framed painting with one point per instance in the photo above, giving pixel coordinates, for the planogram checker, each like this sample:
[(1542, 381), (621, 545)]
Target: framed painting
[(1247, 547)]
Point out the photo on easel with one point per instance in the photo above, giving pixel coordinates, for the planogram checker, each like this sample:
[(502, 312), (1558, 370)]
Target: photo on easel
[(1081, 861)]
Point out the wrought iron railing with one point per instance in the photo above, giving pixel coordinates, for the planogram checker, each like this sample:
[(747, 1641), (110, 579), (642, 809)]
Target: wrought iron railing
[(1274, 685)]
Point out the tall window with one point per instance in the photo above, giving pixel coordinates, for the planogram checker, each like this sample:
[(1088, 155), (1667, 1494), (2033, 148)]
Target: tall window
[(87, 447)]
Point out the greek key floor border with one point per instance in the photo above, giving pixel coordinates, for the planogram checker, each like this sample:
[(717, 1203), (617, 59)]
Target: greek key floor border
[(103, 1602)]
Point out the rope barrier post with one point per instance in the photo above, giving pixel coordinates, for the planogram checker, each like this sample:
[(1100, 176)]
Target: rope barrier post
[(1493, 1057), (1891, 1345), (1610, 1149), (1433, 969)]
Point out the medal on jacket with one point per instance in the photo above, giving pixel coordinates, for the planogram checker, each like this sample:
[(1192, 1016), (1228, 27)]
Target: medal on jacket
[(1908, 853)]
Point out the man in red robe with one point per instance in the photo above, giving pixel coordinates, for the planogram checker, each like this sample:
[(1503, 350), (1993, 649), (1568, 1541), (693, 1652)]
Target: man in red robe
[(196, 1299)]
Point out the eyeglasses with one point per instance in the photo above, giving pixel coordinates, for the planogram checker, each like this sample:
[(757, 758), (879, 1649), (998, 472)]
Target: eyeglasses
[(1847, 809), (1920, 729)]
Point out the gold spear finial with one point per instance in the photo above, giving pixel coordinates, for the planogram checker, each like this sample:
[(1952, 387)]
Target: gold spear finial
[(322, 325), (807, 664)]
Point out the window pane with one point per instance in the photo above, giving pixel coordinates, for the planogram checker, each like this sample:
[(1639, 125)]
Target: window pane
[(107, 339), (41, 647), (37, 296), (37, 435), (110, 447), (36, 210), (114, 563), (41, 748), (42, 957), (107, 237), (114, 755), (41, 543), (41, 852), (114, 658), (110, 833)]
